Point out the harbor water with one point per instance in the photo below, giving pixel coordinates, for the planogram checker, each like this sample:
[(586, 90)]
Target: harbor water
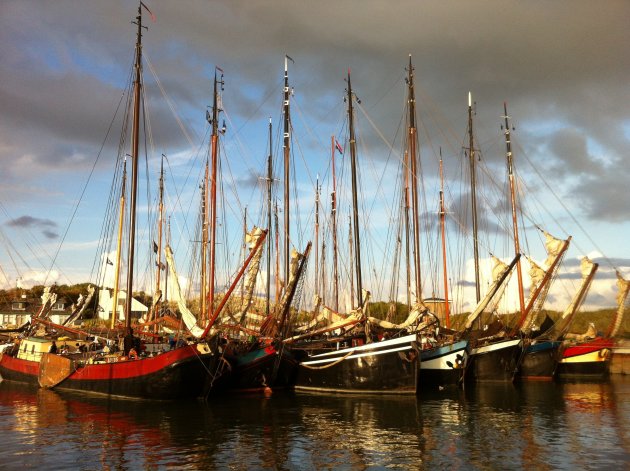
[(541, 426)]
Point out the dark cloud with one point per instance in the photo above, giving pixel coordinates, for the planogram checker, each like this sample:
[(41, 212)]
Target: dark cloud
[(46, 226), (562, 67)]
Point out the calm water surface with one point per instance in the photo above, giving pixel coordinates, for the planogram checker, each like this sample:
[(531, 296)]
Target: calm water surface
[(525, 426)]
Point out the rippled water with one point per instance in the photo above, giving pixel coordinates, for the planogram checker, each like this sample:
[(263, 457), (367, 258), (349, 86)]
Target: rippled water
[(526, 426)]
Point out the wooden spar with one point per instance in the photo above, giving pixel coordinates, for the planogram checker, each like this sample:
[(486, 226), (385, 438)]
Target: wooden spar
[(447, 311), (158, 260), (352, 262), (135, 144), (213, 190), (203, 285), (234, 283), (580, 297), (548, 273), (317, 280), (61, 327), (287, 155), (282, 325), (407, 231), (473, 198), (334, 228), (121, 223), (277, 243), (269, 187), (355, 191), (517, 248), (412, 138), (244, 247)]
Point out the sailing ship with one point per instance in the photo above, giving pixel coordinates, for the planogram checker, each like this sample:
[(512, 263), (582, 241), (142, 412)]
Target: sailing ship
[(183, 372), (588, 356), (347, 354)]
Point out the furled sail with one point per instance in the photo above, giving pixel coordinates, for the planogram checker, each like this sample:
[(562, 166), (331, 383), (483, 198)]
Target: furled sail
[(188, 317), (251, 239), (416, 313), (623, 287), (499, 273)]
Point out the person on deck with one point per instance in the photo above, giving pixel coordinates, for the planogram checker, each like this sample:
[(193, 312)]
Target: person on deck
[(53, 347), (129, 341)]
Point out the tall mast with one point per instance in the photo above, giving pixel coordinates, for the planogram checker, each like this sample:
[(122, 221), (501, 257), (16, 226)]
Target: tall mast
[(407, 230), (158, 260), (317, 280), (287, 153), (355, 204), (277, 234), (473, 198), (269, 183), (334, 228), (517, 248), (121, 224), (213, 185), (203, 286), (447, 311), (414, 182), (135, 144)]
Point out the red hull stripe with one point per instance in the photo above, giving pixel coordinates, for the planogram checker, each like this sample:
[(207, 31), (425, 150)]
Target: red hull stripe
[(587, 347)]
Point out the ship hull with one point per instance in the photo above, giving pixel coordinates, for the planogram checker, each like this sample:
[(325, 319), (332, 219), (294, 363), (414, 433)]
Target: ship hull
[(443, 366), (386, 367), (540, 361), (495, 362), (586, 361), (184, 372)]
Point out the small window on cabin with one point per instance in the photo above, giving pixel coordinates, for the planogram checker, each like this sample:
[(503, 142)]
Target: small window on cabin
[(32, 348), (25, 347)]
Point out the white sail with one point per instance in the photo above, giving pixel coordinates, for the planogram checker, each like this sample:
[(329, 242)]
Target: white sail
[(412, 319), (553, 246), (498, 272), (188, 317), (586, 265), (623, 287), (251, 239)]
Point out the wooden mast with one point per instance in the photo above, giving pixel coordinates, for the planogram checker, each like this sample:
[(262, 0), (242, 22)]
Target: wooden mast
[(334, 228), (203, 285), (407, 231), (287, 155), (269, 187), (135, 144), (213, 188), (355, 190), (317, 280), (447, 311), (412, 140), (517, 249), (473, 198), (121, 223), (158, 260)]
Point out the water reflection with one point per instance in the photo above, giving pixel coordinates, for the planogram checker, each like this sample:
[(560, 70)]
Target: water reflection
[(529, 425)]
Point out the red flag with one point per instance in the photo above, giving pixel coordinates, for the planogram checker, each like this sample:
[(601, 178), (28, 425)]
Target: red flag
[(338, 146), (150, 12)]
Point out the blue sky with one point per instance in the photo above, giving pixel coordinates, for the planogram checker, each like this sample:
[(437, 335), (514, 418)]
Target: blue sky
[(561, 66)]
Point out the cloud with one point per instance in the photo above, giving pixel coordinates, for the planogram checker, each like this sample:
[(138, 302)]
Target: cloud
[(46, 226)]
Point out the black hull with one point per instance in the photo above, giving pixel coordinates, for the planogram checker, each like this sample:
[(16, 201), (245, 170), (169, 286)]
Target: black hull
[(497, 362), (390, 367), (270, 370), (540, 362), (185, 379)]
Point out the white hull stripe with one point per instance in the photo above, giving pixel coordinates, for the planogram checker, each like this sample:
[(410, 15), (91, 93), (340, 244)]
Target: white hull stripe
[(591, 357), (407, 339), (496, 346), (340, 354)]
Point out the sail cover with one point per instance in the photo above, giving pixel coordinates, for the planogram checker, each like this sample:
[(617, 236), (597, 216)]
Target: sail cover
[(623, 287)]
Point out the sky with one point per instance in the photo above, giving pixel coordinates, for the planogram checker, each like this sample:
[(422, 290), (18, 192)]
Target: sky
[(561, 66)]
